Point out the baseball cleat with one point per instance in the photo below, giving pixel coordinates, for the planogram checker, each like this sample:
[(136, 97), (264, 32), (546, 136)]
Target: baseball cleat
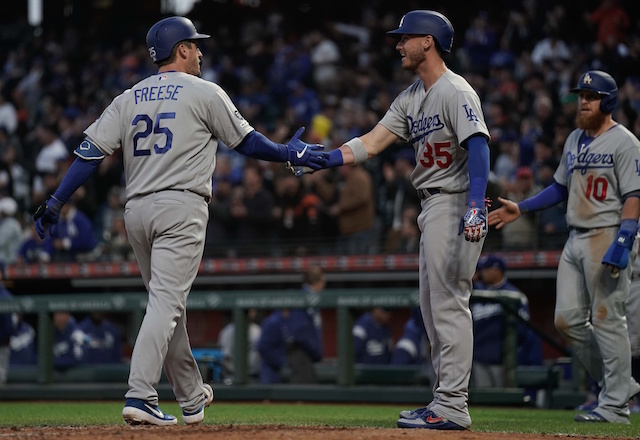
[(412, 413), (430, 420), (198, 416), (591, 416), (141, 412)]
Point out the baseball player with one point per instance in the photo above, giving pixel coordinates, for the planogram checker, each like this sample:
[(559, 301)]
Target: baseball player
[(168, 126), (441, 116), (599, 177)]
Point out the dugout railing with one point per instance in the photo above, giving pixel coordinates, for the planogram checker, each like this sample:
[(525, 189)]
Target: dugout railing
[(344, 301)]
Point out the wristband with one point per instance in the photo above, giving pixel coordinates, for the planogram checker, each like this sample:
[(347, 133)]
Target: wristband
[(358, 149)]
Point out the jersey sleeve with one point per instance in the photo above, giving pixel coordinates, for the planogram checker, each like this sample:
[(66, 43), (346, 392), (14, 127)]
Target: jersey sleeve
[(465, 114), (628, 168), (561, 174), (226, 122), (105, 131), (395, 120)]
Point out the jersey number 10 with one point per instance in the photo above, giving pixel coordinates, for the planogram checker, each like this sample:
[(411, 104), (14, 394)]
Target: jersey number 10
[(436, 155), (597, 188), (157, 129)]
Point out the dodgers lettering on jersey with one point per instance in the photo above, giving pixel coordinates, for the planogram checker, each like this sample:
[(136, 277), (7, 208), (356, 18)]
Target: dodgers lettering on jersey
[(436, 121), (598, 175), (168, 126)]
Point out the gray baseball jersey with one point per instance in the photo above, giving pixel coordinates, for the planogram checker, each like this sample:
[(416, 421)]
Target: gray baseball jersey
[(599, 175), (590, 304), (168, 126), (436, 122)]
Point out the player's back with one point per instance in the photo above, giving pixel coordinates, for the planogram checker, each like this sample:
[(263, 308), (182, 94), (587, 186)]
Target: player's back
[(168, 125)]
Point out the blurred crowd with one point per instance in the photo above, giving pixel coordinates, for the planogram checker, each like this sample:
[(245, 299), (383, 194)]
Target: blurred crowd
[(337, 79)]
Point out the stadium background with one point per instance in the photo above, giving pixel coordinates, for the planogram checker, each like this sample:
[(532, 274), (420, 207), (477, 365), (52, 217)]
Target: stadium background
[(86, 52)]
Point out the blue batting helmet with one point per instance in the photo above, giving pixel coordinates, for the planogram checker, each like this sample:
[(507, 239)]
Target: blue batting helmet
[(423, 22), (601, 83), (166, 33)]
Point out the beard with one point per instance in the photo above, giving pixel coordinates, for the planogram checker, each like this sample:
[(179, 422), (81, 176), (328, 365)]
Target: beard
[(591, 122)]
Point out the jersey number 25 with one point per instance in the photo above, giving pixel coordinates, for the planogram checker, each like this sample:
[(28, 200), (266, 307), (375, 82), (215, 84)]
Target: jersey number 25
[(436, 155), (150, 126)]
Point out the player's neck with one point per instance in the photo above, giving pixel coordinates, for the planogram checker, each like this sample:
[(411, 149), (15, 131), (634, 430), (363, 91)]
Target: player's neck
[(431, 74), (604, 127)]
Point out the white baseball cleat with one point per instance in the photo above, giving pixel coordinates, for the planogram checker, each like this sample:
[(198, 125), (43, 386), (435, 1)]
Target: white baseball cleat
[(198, 416)]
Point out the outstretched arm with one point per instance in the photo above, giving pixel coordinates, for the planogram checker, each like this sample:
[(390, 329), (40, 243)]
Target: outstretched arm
[(296, 152), (510, 211), (355, 151)]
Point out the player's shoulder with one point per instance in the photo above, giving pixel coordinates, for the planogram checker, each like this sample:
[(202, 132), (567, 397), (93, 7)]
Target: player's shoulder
[(457, 82), (626, 135)]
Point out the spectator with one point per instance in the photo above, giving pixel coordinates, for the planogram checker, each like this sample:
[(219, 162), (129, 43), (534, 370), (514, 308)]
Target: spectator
[(68, 341), (372, 339), (489, 326), (10, 231), (253, 211), (103, 343), (355, 211), (52, 149), (299, 214), (19, 176), (523, 233), (407, 239), (23, 344), (292, 338), (226, 340), (74, 237), (412, 347), (7, 331), (550, 49), (612, 22), (34, 249)]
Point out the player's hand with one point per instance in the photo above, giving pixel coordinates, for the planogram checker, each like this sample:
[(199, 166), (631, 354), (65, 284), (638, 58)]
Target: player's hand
[(299, 170), (617, 256), (474, 224), (47, 214), (307, 155), (507, 213)]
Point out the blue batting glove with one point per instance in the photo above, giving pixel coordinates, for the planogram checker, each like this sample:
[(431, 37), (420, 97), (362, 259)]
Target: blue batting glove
[(47, 214), (617, 255), (308, 155), (299, 170), (473, 224)]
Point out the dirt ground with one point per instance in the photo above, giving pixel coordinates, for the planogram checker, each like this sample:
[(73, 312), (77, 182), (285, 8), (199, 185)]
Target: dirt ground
[(235, 432)]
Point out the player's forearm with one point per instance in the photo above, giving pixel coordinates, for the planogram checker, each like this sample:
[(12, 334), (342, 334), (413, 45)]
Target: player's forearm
[(256, 145), (551, 195), (631, 208), (478, 170), (78, 173)]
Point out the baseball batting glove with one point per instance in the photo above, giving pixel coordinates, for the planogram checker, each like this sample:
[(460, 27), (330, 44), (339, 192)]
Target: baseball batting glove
[(617, 256), (299, 170), (474, 224), (47, 214), (307, 155)]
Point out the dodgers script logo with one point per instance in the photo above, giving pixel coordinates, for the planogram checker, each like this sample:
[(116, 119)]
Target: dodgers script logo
[(585, 160), (423, 125)]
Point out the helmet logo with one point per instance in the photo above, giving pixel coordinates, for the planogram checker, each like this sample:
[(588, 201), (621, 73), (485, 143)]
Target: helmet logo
[(402, 21), (152, 53), (587, 79)]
